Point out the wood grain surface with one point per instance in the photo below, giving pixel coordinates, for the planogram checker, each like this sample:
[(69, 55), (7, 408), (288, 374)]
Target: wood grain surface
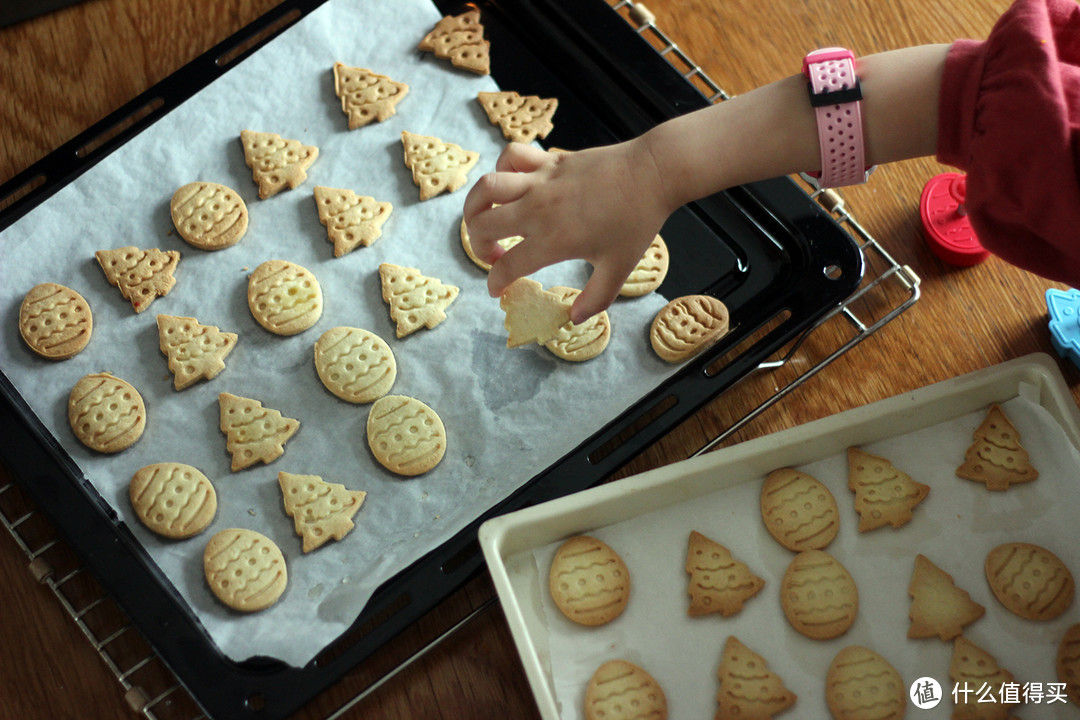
[(65, 71)]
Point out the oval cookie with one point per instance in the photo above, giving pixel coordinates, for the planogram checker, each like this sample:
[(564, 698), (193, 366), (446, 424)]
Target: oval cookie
[(588, 581), (245, 569), (506, 244), (55, 321), (106, 413), (1068, 662), (819, 596), (284, 297), (209, 216), (173, 499), (688, 325), (355, 364), (578, 343), (1029, 580), (620, 690), (405, 435), (798, 510), (650, 271), (862, 685)]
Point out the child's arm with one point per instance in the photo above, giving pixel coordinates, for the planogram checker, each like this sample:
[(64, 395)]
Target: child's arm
[(605, 205)]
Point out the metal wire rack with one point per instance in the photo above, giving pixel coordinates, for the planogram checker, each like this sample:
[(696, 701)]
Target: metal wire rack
[(149, 687)]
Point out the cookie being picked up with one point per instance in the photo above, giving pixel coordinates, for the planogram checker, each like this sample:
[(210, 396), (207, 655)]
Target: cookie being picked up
[(532, 313)]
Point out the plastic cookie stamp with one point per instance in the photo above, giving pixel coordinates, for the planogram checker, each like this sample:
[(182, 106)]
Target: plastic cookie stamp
[(945, 222), (1064, 308)]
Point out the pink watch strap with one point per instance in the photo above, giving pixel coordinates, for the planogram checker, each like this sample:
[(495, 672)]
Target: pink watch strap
[(836, 96)]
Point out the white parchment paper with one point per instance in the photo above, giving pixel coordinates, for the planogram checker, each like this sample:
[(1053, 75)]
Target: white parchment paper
[(956, 526), (509, 413)]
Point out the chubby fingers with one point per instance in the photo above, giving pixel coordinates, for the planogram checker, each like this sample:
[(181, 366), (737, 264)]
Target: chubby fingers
[(600, 291), (521, 158)]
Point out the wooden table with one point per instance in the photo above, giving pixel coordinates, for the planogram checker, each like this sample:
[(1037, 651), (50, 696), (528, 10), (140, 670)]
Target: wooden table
[(66, 70)]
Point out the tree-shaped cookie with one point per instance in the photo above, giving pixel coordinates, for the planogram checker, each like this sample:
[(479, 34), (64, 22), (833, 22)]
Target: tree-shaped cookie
[(522, 118), (718, 582), (275, 162), (351, 220), (195, 351), (533, 314), (977, 675), (437, 166), (938, 607), (415, 300), (253, 433), (460, 39), (748, 689), (320, 510), (366, 96), (883, 494), (141, 275), (996, 458)]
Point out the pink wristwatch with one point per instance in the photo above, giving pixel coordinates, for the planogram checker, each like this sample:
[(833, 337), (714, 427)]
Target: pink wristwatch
[(837, 99)]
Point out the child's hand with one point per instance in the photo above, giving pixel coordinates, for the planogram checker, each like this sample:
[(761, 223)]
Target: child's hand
[(603, 205)]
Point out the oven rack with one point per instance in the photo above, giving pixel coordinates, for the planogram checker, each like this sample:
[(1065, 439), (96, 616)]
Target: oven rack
[(151, 690)]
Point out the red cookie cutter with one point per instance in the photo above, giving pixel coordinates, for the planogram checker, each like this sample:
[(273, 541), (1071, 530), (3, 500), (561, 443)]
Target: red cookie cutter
[(945, 223)]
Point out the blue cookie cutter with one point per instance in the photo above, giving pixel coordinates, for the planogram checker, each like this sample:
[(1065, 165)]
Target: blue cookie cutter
[(1064, 307)]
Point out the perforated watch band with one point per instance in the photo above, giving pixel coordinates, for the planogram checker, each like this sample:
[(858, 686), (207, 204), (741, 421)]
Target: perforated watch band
[(836, 96)]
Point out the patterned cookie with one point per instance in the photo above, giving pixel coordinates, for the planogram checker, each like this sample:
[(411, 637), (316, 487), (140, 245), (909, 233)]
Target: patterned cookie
[(1068, 663), (532, 313), (883, 494), (588, 581), (415, 300), (718, 582), (819, 596), (285, 298), (1029, 580), (55, 321), (106, 413), (650, 271), (687, 326), (578, 343), (620, 690), (366, 96), (975, 670), (320, 510), (354, 364), (460, 39), (208, 215), (173, 499), (245, 569), (253, 433), (141, 275), (862, 685), (351, 220), (406, 436), (938, 607), (996, 458), (522, 118), (276, 163), (506, 244), (437, 166), (748, 689), (195, 351), (798, 510)]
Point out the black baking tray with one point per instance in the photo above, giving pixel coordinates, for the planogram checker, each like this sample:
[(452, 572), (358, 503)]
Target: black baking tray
[(768, 250)]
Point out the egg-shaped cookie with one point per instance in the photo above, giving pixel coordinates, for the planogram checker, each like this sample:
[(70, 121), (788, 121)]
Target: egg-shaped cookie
[(620, 690), (819, 596), (106, 413), (285, 298), (862, 685), (578, 343), (650, 271), (355, 364), (208, 215), (406, 436), (588, 581), (245, 569), (798, 510), (1068, 662), (55, 321), (688, 325), (1029, 580), (173, 499)]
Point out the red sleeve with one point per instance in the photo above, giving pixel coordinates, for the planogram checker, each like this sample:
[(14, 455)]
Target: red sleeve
[(1010, 118)]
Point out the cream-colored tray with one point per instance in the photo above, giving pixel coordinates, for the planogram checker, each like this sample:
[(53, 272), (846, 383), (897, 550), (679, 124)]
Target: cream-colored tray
[(647, 519)]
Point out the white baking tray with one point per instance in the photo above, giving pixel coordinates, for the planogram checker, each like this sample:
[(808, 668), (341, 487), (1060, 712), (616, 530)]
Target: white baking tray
[(648, 517)]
